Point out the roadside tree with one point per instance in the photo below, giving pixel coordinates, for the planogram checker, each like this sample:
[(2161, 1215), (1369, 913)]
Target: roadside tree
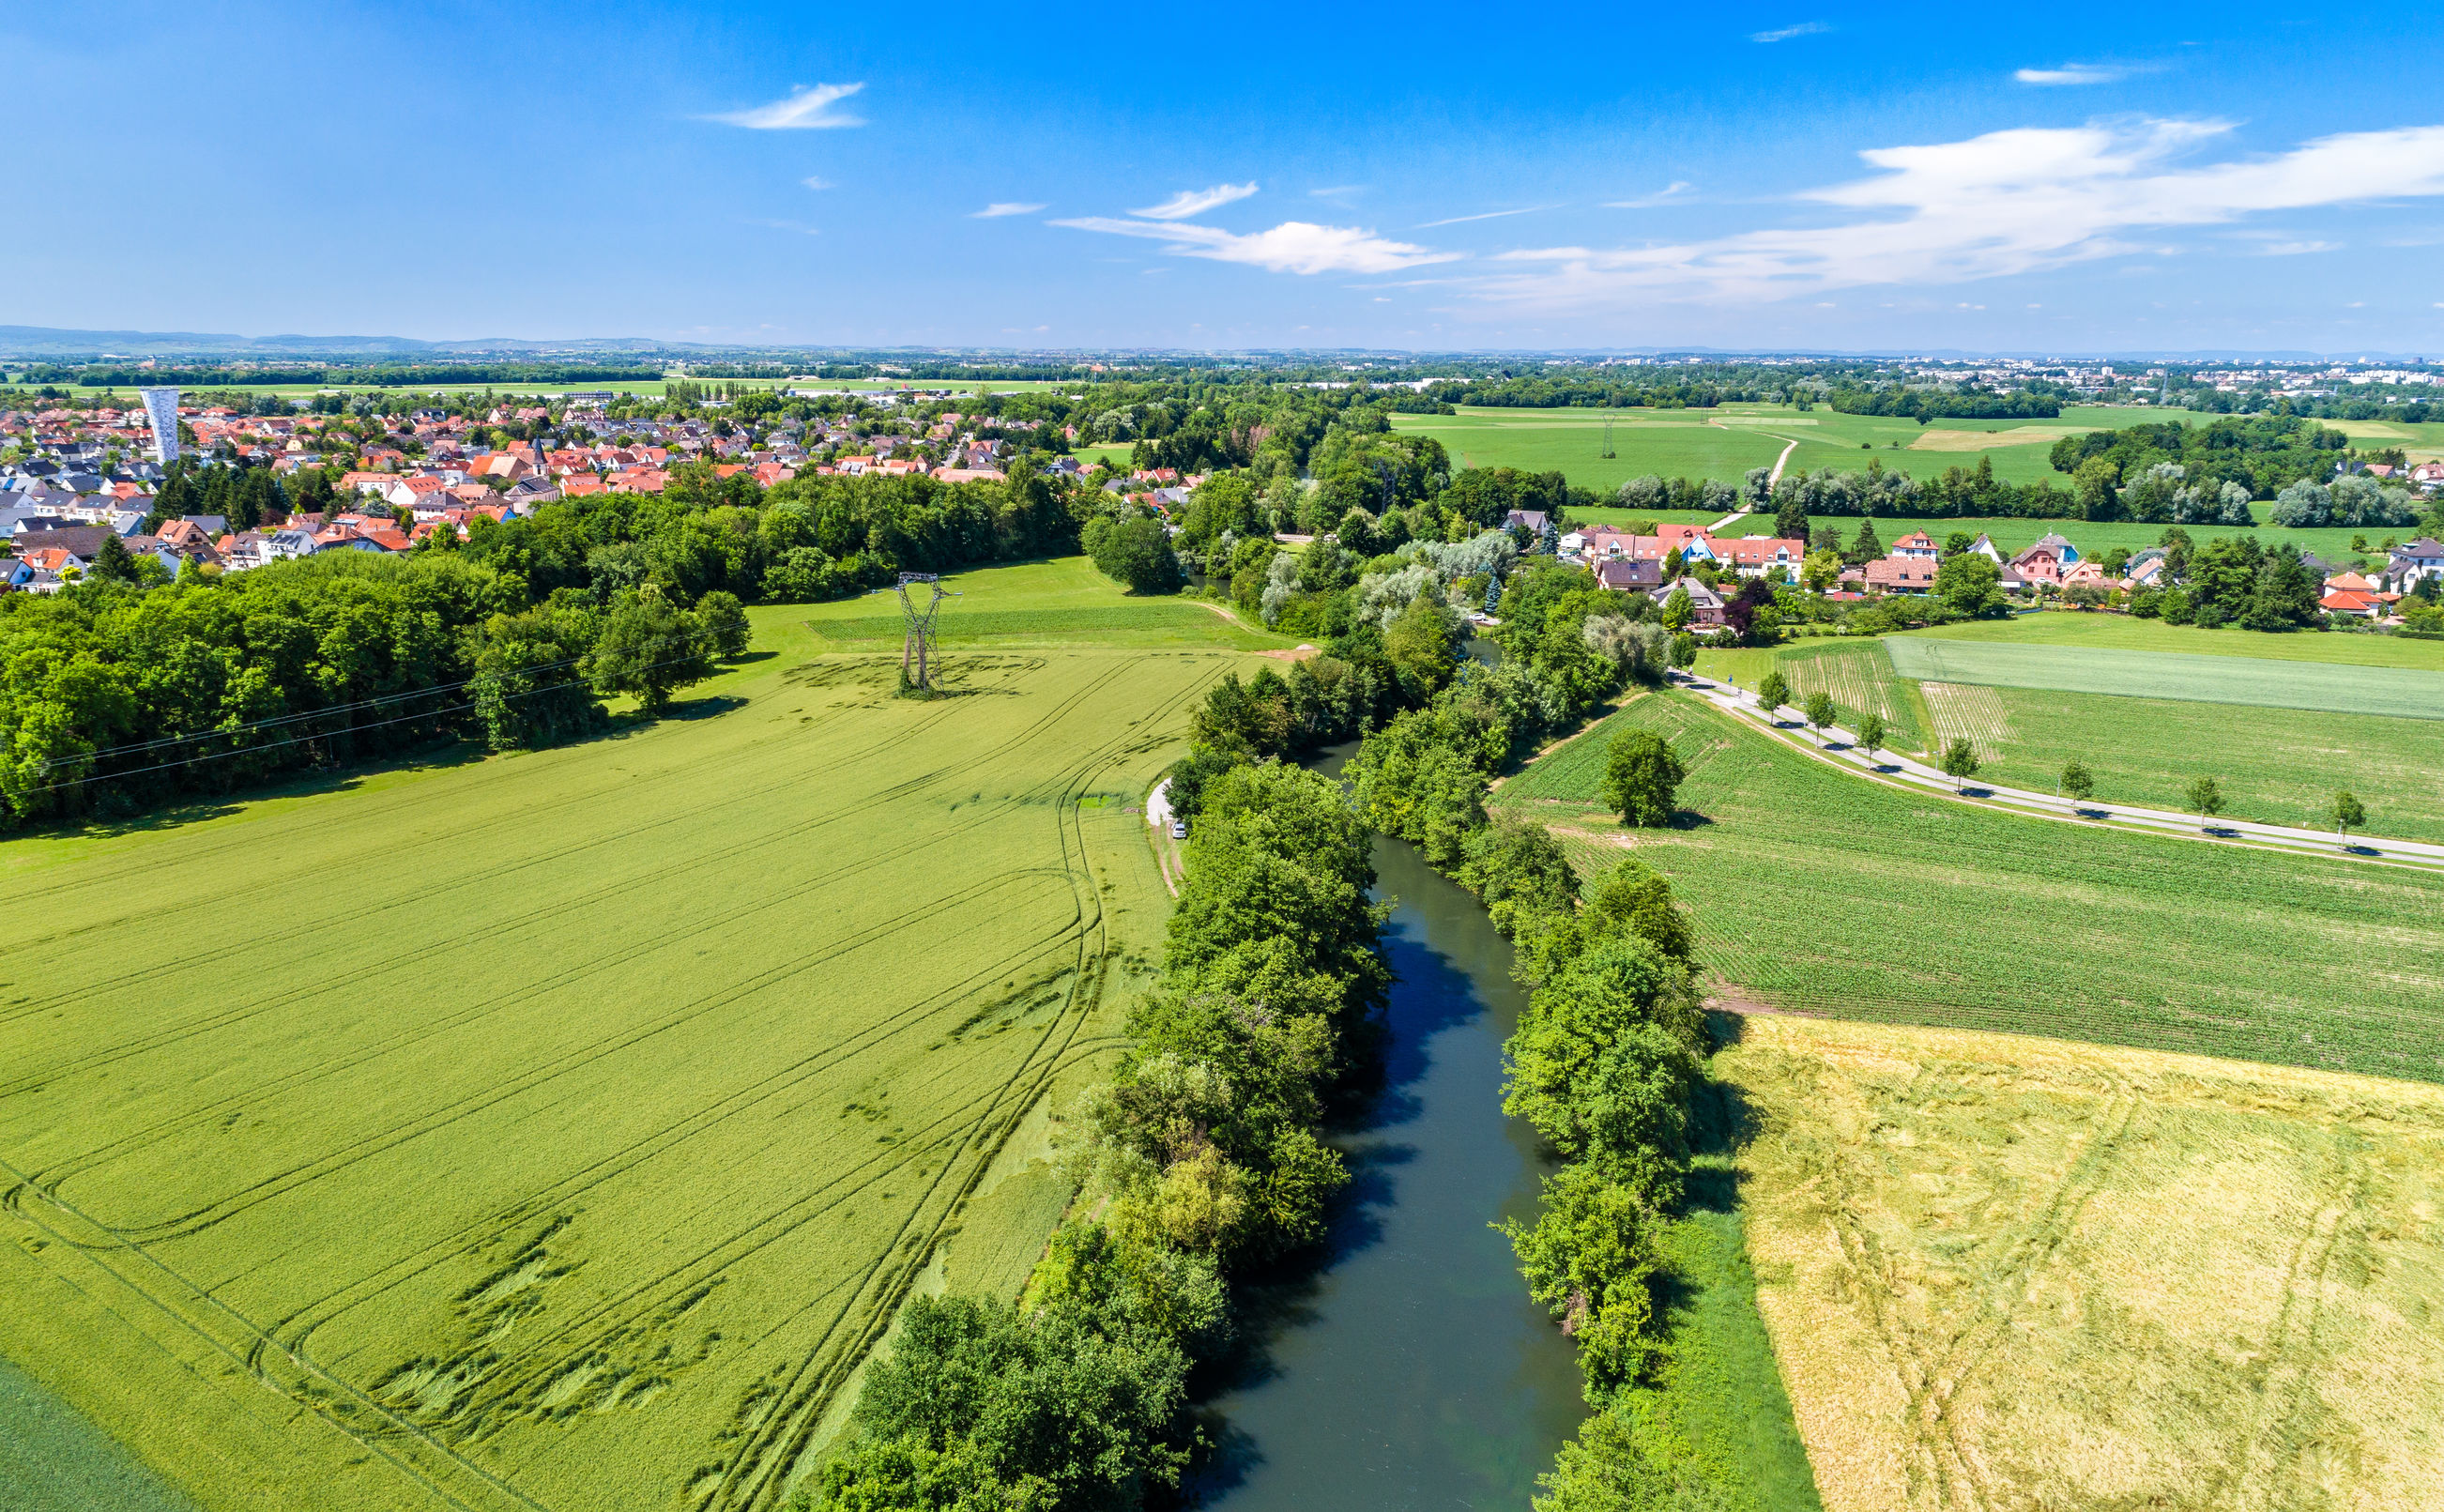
[(1773, 691), (2204, 799), (2347, 814), (2075, 783), (1959, 762), (1871, 733), (1821, 713)]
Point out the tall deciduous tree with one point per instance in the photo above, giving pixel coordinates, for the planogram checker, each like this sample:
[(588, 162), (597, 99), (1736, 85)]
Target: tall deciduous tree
[(1643, 777)]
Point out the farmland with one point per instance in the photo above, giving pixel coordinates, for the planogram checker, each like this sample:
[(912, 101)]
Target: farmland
[(2396, 691), (1061, 602), (560, 1130), (1725, 442), (2275, 765), (2123, 633), (1815, 889), (2014, 1273)]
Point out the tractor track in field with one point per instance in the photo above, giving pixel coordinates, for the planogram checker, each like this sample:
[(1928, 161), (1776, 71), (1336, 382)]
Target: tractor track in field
[(431, 890), (965, 1142), (448, 838), (537, 920)]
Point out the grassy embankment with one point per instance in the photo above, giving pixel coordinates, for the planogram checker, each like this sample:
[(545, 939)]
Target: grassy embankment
[(2014, 1273), (1816, 889), (564, 1128)]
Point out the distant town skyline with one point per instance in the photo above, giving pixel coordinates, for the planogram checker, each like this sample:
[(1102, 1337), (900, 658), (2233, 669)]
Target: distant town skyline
[(2088, 180)]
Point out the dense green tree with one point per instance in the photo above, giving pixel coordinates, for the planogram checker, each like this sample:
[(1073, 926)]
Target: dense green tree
[(1643, 777), (1968, 584), (1134, 552), (1048, 1398), (725, 622), (649, 650)]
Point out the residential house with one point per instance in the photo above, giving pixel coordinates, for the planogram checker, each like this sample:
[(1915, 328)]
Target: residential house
[(1897, 574), (1760, 556), (1531, 521), (1623, 575), (1705, 604), (1917, 547), (2046, 561), (2408, 565)]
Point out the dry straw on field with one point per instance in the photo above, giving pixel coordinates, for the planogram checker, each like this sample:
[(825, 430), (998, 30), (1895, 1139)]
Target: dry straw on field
[(2008, 1273)]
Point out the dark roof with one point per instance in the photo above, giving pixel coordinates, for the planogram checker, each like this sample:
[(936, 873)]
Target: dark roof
[(78, 540)]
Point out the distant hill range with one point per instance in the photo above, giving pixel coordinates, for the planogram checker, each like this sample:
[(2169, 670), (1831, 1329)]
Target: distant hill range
[(54, 344)]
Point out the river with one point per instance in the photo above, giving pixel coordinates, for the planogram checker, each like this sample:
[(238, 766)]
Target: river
[(1410, 1369)]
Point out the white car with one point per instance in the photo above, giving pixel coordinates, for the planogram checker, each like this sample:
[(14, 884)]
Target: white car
[(1179, 829)]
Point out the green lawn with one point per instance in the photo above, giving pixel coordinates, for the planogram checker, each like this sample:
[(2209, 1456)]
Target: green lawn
[(2276, 765), (1818, 890), (563, 1129), (1616, 515), (2123, 633)]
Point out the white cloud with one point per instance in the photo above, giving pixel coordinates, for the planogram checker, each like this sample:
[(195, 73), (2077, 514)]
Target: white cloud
[(1293, 246), (1806, 28), (1337, 190), (1000, 207), (805, 110), (817, 182), (1676, 188), (2296, 248), (2009, 202), (1190, 202), (1490, 215), (2073, 73)]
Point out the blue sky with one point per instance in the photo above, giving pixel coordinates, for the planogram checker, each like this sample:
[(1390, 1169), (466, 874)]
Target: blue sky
[(2064, 177)]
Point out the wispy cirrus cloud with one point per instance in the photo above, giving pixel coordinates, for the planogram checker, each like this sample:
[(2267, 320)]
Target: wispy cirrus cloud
[(2005, 203), (1189, 203), (1003, 207), (1490, 215), (1671, 191), (2074, 73), (1806, 28), (818, 182), (1292, 247), (806, 109)]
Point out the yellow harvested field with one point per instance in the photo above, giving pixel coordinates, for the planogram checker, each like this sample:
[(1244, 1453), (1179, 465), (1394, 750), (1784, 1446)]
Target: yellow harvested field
[(1937, 439), (2009, 1273)]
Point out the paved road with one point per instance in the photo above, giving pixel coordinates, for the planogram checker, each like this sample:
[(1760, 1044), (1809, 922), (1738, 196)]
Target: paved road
[(1901, 771)]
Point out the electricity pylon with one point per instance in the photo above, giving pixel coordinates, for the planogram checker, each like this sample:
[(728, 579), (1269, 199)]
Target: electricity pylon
[(918, 648)]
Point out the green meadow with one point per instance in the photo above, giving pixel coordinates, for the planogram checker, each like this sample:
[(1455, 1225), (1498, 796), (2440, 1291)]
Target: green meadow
[(2123, 633), (1814, 889), (1727, 441), (2338, 689), (562, 1129)]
